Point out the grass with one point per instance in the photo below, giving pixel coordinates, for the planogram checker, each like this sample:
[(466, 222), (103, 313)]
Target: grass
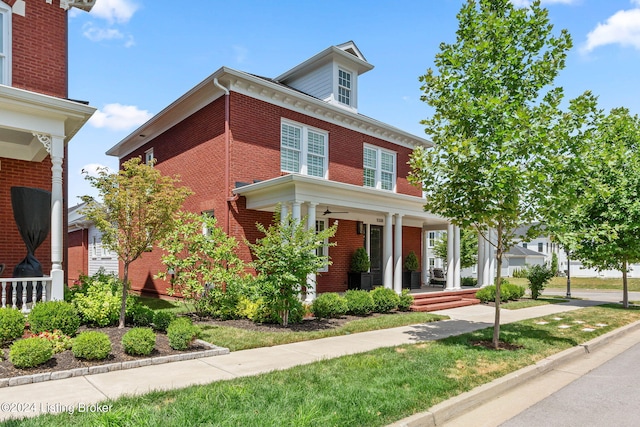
[(241, 339), (367, 389), (175, 306), (584, 283), (528, 302)]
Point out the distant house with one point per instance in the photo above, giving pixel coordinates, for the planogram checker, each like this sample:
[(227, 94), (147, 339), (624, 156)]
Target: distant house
[(37, 121), (246, 144), (87, 255)]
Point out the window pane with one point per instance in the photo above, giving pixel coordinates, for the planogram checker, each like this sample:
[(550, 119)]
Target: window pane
[(316, 143), (2, 17), (289, 160), (370, 158), (320, 225), (387, 162), (290, 137), (315, 166), (370, 178), (386, 181)]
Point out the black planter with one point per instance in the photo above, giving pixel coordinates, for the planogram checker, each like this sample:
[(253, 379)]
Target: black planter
[(362, 281), (411, 280)]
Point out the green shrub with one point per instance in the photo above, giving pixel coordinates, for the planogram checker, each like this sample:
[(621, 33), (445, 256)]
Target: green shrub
[(161, 320), (139, 341), (359, 302), (514, 291), (521, 273), (30, 352), (91, 345), (138, 314), (384, 299), (538, 276), (360, 261), (405, 300), (486, 294), (468, 281), (181, 332), (508, 291), (100, 305), (328, 305), (52, 315), (411, 262), (219, 303), (12, 323)]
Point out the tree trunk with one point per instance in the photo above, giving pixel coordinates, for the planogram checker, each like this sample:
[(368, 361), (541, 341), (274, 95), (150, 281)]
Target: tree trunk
[(625, 289), (123, 304), (496, 323)]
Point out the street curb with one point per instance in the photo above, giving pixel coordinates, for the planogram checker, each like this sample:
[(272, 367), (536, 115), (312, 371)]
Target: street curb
[(213, 350), (456, 406)]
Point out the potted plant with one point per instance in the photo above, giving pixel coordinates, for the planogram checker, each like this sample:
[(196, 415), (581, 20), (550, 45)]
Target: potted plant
[(359, 276), (411, 277)]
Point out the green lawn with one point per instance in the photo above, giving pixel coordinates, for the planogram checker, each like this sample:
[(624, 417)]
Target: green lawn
[(367, 389), (583, 283), (528, 302)]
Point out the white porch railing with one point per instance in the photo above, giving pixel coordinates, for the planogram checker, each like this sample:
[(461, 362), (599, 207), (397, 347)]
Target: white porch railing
[(25, 292)]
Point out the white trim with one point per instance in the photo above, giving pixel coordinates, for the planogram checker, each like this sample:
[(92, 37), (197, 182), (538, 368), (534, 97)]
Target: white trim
[(303, 166), (5, 53), (378, 170), (353, 99), (148, 157), (325, 248)]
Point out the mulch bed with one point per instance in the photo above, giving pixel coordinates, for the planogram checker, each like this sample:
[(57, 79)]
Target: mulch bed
[(66, 360), (308, 324)]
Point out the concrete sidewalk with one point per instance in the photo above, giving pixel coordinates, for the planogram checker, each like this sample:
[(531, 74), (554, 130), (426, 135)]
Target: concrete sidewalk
[(73, 393)]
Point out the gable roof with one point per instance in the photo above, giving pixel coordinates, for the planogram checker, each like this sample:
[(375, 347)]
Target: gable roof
[(519, 251)]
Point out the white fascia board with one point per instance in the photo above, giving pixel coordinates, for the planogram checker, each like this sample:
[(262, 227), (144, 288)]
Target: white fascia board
[(356, 63)]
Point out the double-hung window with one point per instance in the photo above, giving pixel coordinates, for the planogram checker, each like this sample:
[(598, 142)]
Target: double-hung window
[(379, 168), (303, 150), (5, 44), (344, 87), (321, 225)]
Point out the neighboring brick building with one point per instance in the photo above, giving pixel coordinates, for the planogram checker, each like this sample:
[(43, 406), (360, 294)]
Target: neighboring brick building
[(37, 120), (245, 144)]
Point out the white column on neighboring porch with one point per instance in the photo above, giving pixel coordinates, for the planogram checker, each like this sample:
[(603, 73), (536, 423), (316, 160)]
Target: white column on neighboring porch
[(397, 248), (480, 263), (388, 251), (456, 257), (425, 257), (450, 256), (311, 277)]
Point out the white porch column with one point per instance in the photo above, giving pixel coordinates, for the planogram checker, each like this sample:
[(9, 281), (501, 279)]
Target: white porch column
[(480, 262), (56, 150), (388, 251), (450, 256), (492, 257), (397, 248), (295, 211), (456, 257), (284, 211), (425, 257), (367, 240), (311, 277)]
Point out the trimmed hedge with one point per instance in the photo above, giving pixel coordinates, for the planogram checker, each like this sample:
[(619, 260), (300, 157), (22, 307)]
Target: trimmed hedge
[(12, 324), (30, 352), (328, 305), (384, 300), (54, 315), (139, 341), (181, 332), (91, 345), (359, 302)]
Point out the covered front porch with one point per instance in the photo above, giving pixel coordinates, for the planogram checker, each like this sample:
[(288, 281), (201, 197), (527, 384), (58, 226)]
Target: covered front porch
[(388, 225), (34, 131)]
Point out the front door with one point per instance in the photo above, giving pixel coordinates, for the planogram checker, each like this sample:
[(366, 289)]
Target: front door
[(375, 247)]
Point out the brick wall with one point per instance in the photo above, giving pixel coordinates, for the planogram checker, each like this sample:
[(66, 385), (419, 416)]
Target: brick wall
[(23, 174), (39, 51), (77, 261)]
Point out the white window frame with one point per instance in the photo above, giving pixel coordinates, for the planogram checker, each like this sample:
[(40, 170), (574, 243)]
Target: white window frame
[(431, 239), (347, 89), (324, 250), (5, 48), (148, 157), (303, 153), (378, 169)]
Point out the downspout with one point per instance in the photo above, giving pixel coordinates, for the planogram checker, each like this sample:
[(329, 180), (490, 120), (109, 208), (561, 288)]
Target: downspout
[(227, 155)]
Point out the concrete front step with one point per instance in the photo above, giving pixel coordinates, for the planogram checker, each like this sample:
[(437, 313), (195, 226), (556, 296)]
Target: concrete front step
[(445, 305)]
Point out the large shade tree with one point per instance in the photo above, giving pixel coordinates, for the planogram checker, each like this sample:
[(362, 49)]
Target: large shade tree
[(502, 144), (603, 228), (137, 208)]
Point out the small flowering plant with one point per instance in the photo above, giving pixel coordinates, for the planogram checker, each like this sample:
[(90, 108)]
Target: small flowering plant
[(59, 341)]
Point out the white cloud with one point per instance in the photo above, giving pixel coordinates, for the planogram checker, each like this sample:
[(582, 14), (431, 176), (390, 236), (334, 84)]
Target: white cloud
[(119, 11), (621, 28), (119, 117), (92, 169), (97, 34)]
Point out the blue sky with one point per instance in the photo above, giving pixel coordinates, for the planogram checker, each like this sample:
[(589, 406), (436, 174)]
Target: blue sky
[(131, 58)]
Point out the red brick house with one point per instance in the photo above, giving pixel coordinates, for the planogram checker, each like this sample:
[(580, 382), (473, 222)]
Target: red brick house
[(37, 121), (245, 144)]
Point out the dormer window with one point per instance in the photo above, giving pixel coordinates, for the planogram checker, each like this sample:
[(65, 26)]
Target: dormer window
[(344, 87), (5, 44)]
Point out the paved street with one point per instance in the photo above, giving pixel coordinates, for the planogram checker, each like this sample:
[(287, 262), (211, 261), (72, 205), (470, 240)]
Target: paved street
[(606, 396)]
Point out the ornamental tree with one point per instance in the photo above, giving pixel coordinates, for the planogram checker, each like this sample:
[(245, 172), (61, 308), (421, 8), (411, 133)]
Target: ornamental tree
[(603, 229), (137, 209), (503, 149)]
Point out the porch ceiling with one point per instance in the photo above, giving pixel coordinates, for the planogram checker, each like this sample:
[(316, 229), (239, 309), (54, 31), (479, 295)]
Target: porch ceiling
[(356, 203), (24, 113)]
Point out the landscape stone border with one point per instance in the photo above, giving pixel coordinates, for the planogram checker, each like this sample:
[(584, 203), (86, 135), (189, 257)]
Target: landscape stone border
[(213, 350)]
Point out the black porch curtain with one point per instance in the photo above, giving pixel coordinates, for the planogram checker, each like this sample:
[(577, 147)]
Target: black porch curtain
[(32, 213)]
